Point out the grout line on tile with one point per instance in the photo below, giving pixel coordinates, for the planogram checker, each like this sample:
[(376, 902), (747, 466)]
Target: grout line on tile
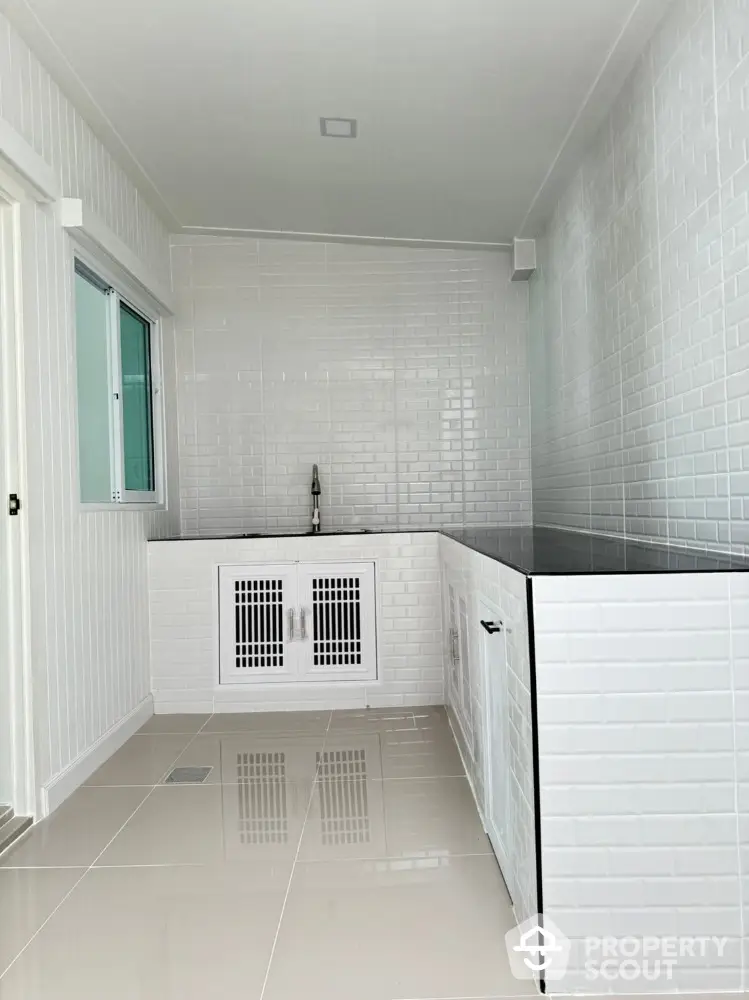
[(72, 889), (267, 733), (160, 864), (89, 868), (32, 868), (423, 777), (404, 859), (172, 733), (293, 866), (138, 864), (144, 785), (490, 996)]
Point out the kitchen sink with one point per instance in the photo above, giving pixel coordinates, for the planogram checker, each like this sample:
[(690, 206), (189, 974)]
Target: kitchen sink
[(304, 534)]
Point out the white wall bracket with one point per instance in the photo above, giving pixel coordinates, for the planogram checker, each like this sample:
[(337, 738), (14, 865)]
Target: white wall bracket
[(523, 259)]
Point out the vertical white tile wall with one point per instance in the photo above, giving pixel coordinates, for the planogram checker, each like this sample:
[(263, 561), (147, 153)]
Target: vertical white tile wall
[(477, 576), (89, 607), (640, 310), (636, 682), (401, 372), (183, 581)]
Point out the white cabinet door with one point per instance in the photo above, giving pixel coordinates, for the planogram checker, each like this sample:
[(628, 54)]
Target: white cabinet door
[(497, 797), (256, 624), (459, 673), (453, 647), (337, 622), (297, 623), (466, 699)]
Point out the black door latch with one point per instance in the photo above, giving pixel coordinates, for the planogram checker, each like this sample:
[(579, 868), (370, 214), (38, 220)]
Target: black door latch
[(14, 504), (492, 627)]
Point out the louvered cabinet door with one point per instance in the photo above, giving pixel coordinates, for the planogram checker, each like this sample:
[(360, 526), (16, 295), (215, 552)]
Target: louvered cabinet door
[(337, 622), (255, 625)]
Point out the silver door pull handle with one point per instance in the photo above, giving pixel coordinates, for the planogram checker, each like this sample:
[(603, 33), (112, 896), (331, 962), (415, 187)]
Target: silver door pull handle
[(302, 623), (290, 618), (454, 652), (492, 627)]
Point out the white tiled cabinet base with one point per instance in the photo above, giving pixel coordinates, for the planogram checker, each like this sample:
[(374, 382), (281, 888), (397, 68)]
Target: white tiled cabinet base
[(468, 579), (642, 688), (184, 623)]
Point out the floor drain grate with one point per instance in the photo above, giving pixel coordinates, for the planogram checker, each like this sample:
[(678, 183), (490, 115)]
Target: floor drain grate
[(188, 775)]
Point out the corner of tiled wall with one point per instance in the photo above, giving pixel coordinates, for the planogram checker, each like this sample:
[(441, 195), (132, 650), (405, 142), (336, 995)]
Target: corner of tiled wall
[(641, 307)]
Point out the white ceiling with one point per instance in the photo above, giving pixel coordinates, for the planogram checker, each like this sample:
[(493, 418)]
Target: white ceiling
[(463, 106)]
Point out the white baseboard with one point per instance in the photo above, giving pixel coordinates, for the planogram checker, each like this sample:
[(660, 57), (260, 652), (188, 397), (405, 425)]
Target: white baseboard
[(273, 698), (65, 783)]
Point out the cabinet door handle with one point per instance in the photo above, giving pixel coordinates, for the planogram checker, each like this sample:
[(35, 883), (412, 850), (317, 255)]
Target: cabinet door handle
[(303, 623), (492, 627), (290, 620), (454, 645)]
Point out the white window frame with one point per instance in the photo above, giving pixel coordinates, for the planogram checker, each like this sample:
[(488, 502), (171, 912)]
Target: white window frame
[(122, 291)]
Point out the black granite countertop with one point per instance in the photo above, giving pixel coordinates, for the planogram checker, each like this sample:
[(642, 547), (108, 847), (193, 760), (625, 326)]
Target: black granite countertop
[(550, 551), (555, 552)]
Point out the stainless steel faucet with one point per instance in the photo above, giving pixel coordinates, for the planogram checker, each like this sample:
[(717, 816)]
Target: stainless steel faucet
[(316, 491)]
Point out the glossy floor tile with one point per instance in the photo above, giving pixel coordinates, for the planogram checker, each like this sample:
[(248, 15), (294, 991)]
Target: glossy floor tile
[(251, 756), (143, 760), (384, 930), (268, 722), (352, 817), (208, 824), (77, 832), (372, 720), (163, 724), (27, 898), (421, 753), (328, 855), (174, 933)]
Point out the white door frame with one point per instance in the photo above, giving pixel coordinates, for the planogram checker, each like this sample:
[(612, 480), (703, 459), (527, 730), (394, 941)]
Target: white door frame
[(14, 541)]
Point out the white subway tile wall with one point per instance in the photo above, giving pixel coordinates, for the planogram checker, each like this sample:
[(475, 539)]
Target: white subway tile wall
[(401, 372), (183, 589), (640, 308), (89, 607), (739, 589), (479, 576), (641, 684)]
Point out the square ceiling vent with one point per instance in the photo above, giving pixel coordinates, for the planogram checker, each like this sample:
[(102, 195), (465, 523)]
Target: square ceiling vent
[(338, 128)]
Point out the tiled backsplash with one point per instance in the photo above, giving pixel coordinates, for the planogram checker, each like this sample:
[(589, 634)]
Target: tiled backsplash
[(401, 372), (640, 312)]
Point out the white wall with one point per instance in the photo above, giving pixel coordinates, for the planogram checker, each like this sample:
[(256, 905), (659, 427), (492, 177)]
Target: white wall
[(640, 312), (89, 604), (401, 372)]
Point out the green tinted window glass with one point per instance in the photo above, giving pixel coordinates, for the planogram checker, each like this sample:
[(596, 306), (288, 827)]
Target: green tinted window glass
[(137, 414), (94, 391)]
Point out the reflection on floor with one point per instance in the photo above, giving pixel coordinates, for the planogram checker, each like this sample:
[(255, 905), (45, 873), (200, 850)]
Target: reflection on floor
[(326, 856)]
